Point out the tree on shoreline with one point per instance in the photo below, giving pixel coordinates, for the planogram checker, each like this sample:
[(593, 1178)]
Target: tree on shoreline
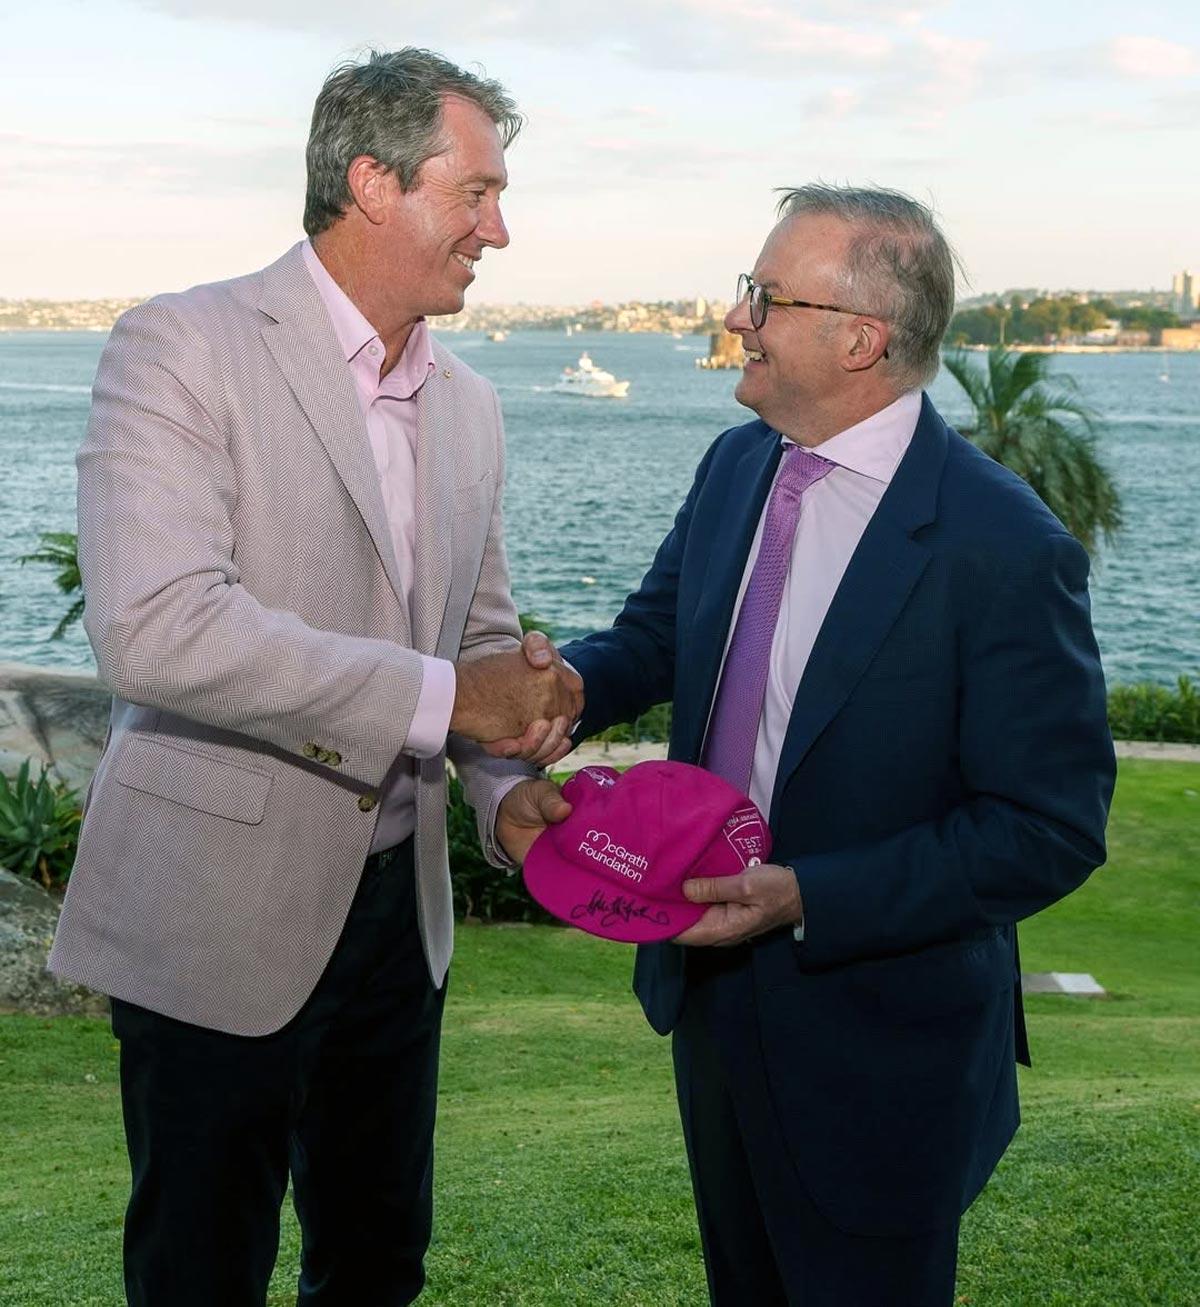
[(1045, 435)]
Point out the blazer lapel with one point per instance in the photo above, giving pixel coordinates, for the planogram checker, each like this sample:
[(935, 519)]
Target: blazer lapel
[(881, 575), (302, 341), (726, 561), (438, 422)]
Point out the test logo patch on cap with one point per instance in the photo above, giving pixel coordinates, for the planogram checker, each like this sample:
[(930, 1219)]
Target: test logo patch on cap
[(616, 866)]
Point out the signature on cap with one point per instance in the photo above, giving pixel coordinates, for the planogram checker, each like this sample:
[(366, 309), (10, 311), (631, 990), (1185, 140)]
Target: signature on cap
[(618, 909)]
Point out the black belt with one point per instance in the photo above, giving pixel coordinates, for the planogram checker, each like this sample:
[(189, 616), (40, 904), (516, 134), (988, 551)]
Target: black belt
[(382, 860)]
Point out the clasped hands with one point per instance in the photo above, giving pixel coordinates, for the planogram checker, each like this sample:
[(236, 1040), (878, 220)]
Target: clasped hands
[(519, 704)]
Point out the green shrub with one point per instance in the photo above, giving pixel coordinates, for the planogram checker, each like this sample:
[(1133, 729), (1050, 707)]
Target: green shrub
[(1153, 712), (39, 826), (653, 725), (481, 892), (532, 622)]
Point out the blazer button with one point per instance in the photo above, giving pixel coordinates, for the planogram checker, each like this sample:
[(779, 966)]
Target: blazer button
[(332, 758), (310, 750), (367, 802)]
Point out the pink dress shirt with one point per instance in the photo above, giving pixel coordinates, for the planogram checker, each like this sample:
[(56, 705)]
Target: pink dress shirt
[(833, 516), (389, 412)]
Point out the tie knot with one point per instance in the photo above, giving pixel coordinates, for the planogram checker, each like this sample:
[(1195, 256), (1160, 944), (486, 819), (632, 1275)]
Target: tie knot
[(801, 467)]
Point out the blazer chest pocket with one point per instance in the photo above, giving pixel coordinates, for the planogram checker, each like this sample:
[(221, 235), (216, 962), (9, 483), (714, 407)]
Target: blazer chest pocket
[(193, 780)]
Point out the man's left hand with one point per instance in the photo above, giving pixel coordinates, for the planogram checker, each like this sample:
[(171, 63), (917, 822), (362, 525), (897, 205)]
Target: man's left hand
[(748, 904), (525, 811)]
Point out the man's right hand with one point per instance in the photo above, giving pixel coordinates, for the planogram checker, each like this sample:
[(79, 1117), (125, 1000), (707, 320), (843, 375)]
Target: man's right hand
[(502, 697)]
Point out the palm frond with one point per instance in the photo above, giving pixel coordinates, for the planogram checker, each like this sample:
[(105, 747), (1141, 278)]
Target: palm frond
[(1031, 420), (60, 549)]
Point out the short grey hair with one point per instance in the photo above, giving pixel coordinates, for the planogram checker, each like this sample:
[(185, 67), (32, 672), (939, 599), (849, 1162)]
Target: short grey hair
[(388, 106), (899, 266)]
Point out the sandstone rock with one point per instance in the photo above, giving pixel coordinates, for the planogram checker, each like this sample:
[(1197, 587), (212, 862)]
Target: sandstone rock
[(28, 917), (55, 718)]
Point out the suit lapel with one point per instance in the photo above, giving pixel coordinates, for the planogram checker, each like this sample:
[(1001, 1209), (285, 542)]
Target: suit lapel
[(878, 581), (723, 567), (302, 341), (438, 422)]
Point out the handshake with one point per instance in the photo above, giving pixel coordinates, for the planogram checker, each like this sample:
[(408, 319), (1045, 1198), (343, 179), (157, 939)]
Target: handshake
[(519, 704)]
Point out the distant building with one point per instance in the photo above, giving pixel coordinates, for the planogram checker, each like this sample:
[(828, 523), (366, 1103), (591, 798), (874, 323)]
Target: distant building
[(1106, 335), (1180, 337), (725, 351), (1183, 287)]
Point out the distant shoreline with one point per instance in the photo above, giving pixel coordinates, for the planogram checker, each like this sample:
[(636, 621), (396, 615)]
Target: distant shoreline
[(1020, 348)]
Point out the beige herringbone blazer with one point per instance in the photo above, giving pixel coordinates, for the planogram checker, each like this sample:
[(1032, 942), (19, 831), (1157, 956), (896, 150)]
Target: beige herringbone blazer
[(242, 602)]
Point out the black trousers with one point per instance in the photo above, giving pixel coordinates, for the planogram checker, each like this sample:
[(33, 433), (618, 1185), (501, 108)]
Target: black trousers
[(764, 1241), (342, 1098)]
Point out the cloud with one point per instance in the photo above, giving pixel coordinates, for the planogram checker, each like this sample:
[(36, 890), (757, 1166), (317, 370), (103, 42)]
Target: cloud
[(1130, 58), (1176, 111), (1148, 56), (156, 166), (672, 34), (576, 156), (929, 77)]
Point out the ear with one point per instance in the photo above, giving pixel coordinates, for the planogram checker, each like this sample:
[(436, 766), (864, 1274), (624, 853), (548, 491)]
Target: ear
[(869, 345), (371, 184)]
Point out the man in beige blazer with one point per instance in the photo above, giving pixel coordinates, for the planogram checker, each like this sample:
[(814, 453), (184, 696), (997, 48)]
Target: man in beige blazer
[(290, 538)]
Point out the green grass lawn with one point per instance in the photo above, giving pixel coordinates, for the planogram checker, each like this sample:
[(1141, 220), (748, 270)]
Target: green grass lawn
[(561, 1177)]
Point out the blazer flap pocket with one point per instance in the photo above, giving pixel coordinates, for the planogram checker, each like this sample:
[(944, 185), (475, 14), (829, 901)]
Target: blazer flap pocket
[(469, 493), (193, 780), (940, 979)]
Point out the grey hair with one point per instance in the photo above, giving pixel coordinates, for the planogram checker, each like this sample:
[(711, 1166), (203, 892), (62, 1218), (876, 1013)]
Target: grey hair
[(389, 107), (899, 266)]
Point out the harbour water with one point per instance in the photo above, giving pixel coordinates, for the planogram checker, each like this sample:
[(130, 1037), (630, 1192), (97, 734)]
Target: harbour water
[(593, 485)]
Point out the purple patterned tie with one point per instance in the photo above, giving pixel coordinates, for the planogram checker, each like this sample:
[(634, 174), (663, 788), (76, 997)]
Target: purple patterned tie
[(733, 730)]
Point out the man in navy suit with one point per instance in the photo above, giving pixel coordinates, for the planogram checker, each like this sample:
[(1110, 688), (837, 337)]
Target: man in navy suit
[(884, 637)]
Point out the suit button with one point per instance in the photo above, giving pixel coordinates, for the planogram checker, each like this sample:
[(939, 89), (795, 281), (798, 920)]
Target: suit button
[(332, 758), (367, 802), (310, 750)]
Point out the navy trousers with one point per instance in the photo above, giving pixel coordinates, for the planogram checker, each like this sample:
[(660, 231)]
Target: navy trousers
[(342, 1099), (764, 1241)]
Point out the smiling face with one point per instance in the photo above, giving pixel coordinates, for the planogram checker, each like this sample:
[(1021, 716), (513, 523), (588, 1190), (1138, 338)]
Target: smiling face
[(436, 231), (794, 360)]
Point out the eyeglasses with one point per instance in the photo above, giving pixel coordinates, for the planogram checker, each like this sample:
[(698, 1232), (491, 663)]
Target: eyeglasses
[(761, 300)]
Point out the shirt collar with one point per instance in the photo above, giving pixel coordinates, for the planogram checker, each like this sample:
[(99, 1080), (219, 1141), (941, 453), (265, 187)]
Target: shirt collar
[(875, 446), (355, 333)]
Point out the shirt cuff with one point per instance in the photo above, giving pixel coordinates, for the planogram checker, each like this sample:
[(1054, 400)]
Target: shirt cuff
[(798, 928), (575, 723), (493, 850), (435, 703)]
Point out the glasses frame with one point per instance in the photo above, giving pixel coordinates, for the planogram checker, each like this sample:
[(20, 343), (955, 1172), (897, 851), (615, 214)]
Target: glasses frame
[(747, 286)]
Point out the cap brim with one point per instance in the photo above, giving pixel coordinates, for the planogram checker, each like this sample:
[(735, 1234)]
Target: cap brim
[(590, 902)]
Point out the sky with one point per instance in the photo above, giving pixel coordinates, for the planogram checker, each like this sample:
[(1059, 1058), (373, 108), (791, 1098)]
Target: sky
[(147, 145)]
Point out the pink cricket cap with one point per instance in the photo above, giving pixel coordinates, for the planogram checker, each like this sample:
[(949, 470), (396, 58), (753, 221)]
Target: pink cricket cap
[(615, 867)]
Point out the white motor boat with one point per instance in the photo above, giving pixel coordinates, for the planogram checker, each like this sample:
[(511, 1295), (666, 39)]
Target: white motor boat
[(590, 381)]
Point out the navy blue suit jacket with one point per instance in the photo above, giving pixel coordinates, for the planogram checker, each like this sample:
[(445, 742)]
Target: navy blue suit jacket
[(946, 772)]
